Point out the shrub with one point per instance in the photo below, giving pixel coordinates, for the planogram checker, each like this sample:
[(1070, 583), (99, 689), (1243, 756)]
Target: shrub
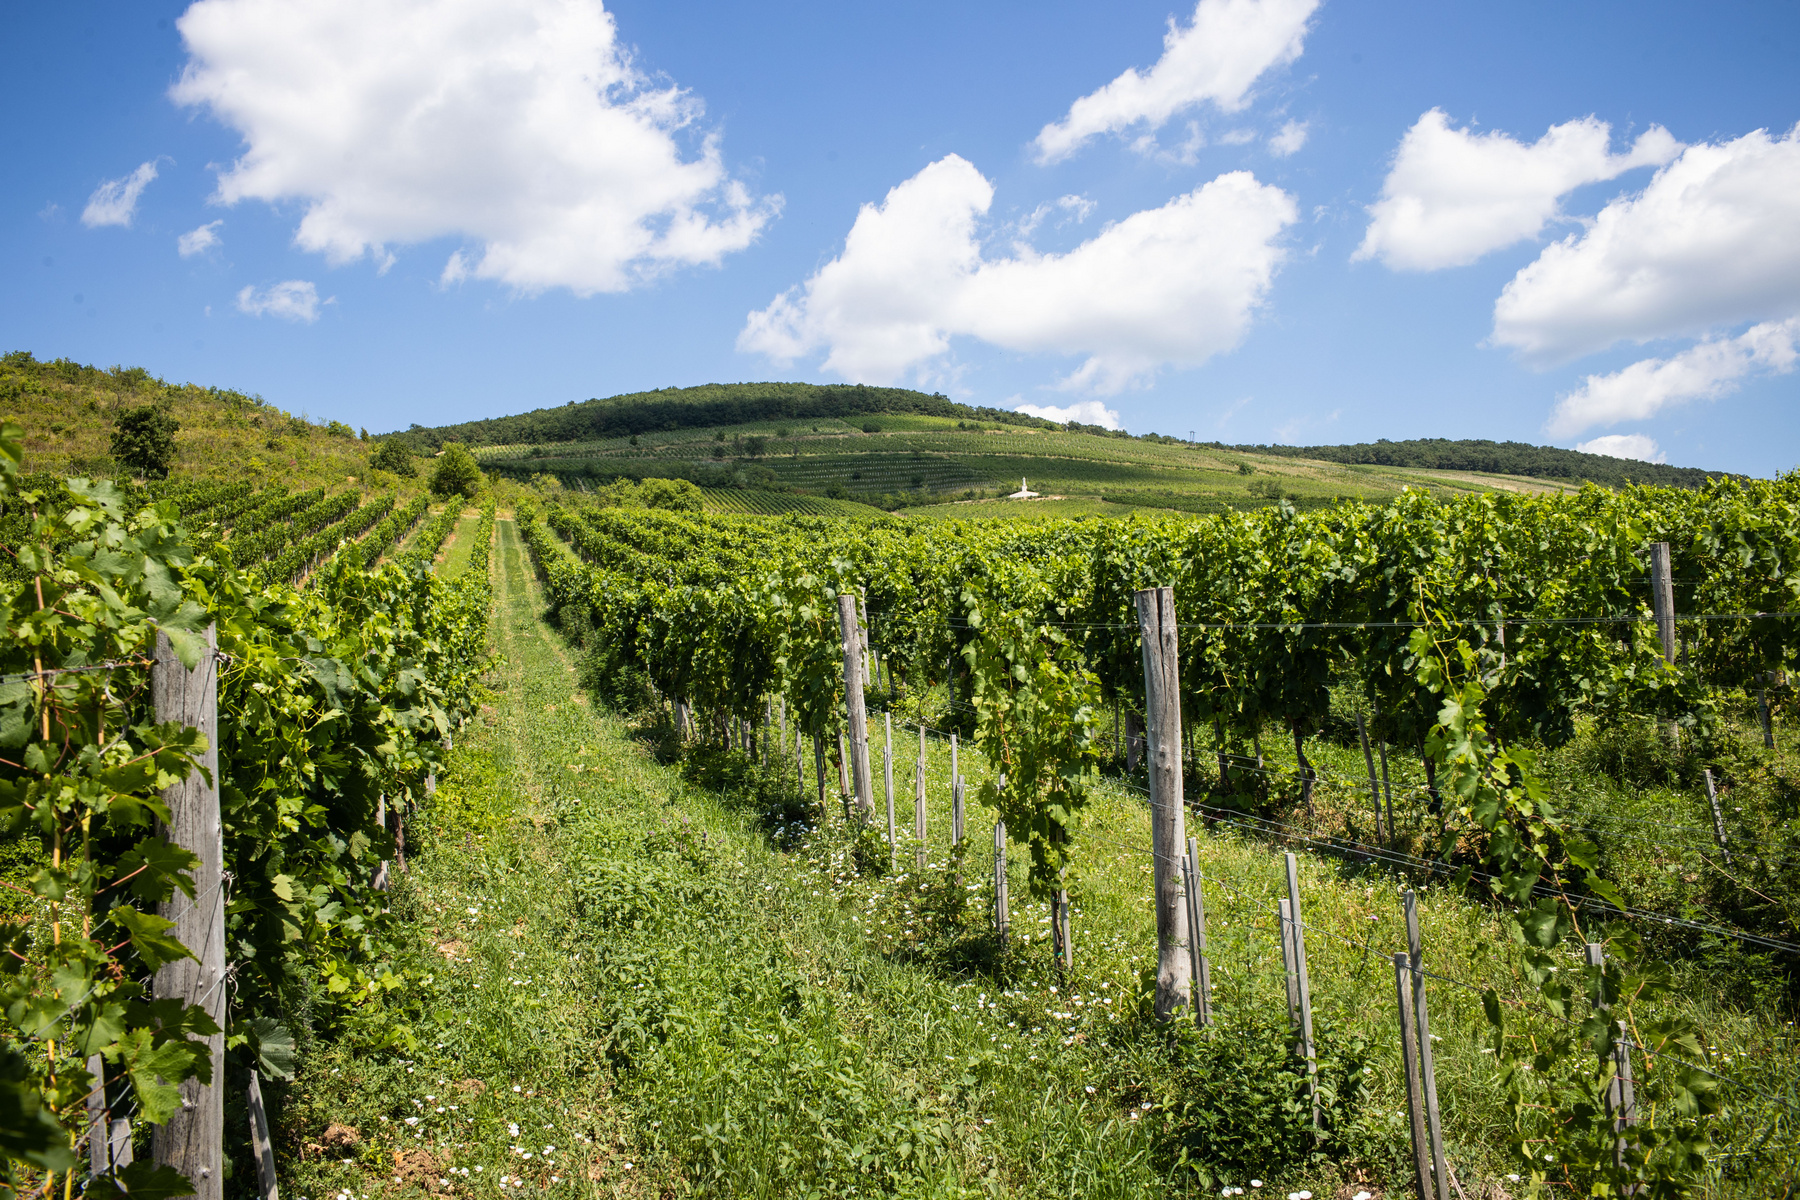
[(456, 472), (675, 495), (392, 455), (143, 441)]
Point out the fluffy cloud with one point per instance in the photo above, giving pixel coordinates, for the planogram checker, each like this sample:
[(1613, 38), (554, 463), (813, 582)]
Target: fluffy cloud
[(520, 125), (1170, 285), (1217, 58), (1625, 445), (1288, 139), (1453, 196), (114, 202), (1088, 412), (1714, 240), (293, 300), (198, 241), (1706, 371)]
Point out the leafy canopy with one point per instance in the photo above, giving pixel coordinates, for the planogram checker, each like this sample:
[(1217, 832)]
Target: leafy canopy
[(456, 473), (143, 441)]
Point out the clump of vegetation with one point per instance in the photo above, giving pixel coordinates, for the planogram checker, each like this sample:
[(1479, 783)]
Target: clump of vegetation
[(456, 473), (143, 441), (393, 455)]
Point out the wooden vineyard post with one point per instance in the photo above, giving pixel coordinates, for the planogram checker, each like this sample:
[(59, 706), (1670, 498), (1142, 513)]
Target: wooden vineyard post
[(887, 777), (919, 798), (1409, 1055), (956, 811), (1284, 915), (109, 1136), (859, 714), (193, 1140), (1621, 1092), (1662, 598), (843, 767), (1062, 929), (799, 760), (819, 771), (260, 1143), (1362, 731), (1000, 914), (1434, 1129), (381, 869), (1303, 986), (1162, 703), (956, 797), (1196, 911), (1662, 603), (1386, 791), (1718, 816), (781, 706)]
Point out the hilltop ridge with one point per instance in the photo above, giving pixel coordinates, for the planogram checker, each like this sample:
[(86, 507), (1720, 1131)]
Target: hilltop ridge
[(723, 406)]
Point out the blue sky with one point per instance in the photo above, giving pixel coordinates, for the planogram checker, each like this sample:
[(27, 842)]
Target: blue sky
[(1259, 220)]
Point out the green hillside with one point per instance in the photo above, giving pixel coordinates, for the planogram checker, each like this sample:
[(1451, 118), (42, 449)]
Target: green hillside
[(899, 449)]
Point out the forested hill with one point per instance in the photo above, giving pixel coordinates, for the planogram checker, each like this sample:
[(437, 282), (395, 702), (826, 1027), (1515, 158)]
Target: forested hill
[(712, 404), (1498, 458)]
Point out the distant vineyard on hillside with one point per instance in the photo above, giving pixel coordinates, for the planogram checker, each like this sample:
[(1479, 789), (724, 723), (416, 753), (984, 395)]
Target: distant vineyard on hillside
[(775, 504)]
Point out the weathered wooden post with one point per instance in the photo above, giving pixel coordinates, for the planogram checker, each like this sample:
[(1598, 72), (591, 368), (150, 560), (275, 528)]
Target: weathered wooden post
[(887, 777), (381, 868), (1303, 985), (1409, 1055), (1662, 604), (193, 1140), (858, 711), (919, 798), (1662, 597), (1162, 703), (1362, 731), (1196, 911), (1001, 917), (1434, 1129), (956, 797), (1290, 977), (1621, 1091), (260, 1143), (1718, 816), (109, 1136)]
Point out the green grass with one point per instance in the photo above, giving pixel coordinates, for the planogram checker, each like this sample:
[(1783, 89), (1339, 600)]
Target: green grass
[(454, 555)]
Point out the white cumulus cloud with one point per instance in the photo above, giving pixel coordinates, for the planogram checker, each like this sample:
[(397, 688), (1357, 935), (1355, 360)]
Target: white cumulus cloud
[(1453, 196), (520, 125), (1625, 445), (1712, 241), (198, 241), (1217, 58), (1088, 412), (1288, 139), (1167, 286), (292, 300), (1706, 371), (114, 202)]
